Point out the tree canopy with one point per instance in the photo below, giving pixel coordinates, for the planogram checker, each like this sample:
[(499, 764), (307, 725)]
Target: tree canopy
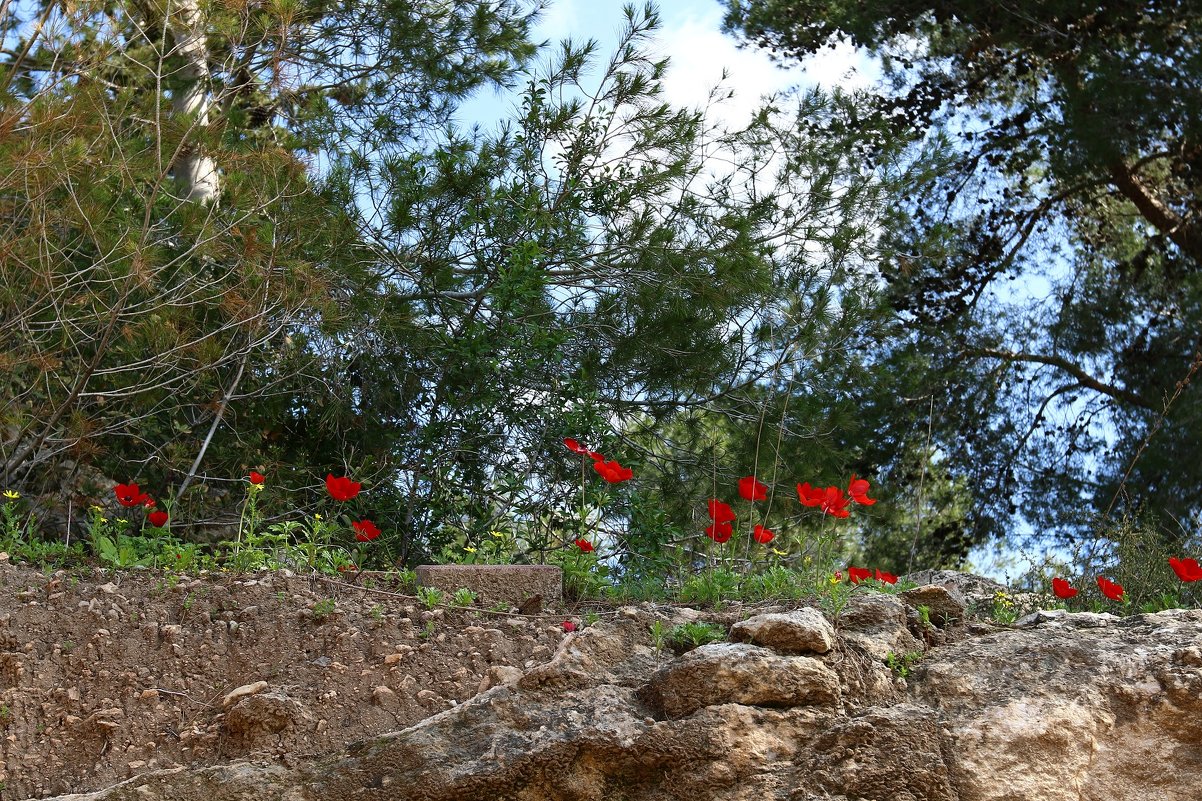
[(250, 236), (1046, 273)]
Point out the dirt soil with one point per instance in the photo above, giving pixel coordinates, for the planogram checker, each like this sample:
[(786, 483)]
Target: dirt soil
[(104, 675)]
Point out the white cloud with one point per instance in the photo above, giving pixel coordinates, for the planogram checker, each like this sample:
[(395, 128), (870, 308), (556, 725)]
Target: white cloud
[(692, 38)]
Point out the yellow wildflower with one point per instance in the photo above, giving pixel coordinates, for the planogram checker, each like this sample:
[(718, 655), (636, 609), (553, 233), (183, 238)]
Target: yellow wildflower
[(469, 549), (12, 495), (779, 552)]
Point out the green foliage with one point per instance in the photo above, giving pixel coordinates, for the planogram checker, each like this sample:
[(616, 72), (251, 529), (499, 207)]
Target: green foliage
[(903, 664), (776, 583), (463, 597), (324, 609), (430, 597), (710, 587), (1069, 392), (584, 575), (687, 636), (1133, 553)]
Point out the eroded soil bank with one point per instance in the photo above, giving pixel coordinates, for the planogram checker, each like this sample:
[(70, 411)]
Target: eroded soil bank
[(108, 675)]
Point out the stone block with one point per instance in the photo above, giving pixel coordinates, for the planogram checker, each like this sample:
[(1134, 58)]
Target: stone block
[(512, 584)]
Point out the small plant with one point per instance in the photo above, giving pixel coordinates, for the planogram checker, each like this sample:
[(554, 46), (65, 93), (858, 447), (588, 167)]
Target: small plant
[(12, 528), (406, 579), (834, 595), (688, 636), (429, 597), (659, 635), (68, 646), (591, 618), (463, 597), (710, 588), (377, 613), (6, 716), (924, 616), (901, 665), (428, 630), (1004, 611), (323, 609)]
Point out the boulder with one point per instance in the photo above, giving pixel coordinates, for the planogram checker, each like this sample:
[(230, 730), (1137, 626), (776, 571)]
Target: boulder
[(803, 631), (726, 673)]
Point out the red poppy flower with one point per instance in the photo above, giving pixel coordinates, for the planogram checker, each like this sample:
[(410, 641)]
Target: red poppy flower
[(347, 568), (1062, 588), (365, 530), (886, 578), (834, 502), (752, 490), (762, 535), (127, 494), (256, 477), (719, 532), (810, 496), (858, 574), (568, 626), (342, 488), (720, 512), (613, 472), (157, 518), (585, 545), (574, 446), (1186, 569), (857, 488), (1111, 590), (145, 500)]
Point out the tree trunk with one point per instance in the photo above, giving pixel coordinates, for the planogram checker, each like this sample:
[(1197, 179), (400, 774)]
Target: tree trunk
[(196, 172)]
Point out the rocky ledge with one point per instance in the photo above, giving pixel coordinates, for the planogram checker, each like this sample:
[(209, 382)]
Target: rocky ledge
[(882, 704)]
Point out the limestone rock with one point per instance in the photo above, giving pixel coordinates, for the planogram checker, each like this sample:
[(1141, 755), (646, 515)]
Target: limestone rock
[(235, 695), (804, 631), (725, 673), (266, 713), (944, 605), (875, 623)]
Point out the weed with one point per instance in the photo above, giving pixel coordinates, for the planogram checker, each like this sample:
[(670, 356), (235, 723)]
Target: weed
[(428, 630), (1003, 608), (659, 635), (377, 613), (687, 636), (406, 579), (591, 618), (776, 582), (323, 609), (429, 597), (463, 597), (901, 665), (710, 588)]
